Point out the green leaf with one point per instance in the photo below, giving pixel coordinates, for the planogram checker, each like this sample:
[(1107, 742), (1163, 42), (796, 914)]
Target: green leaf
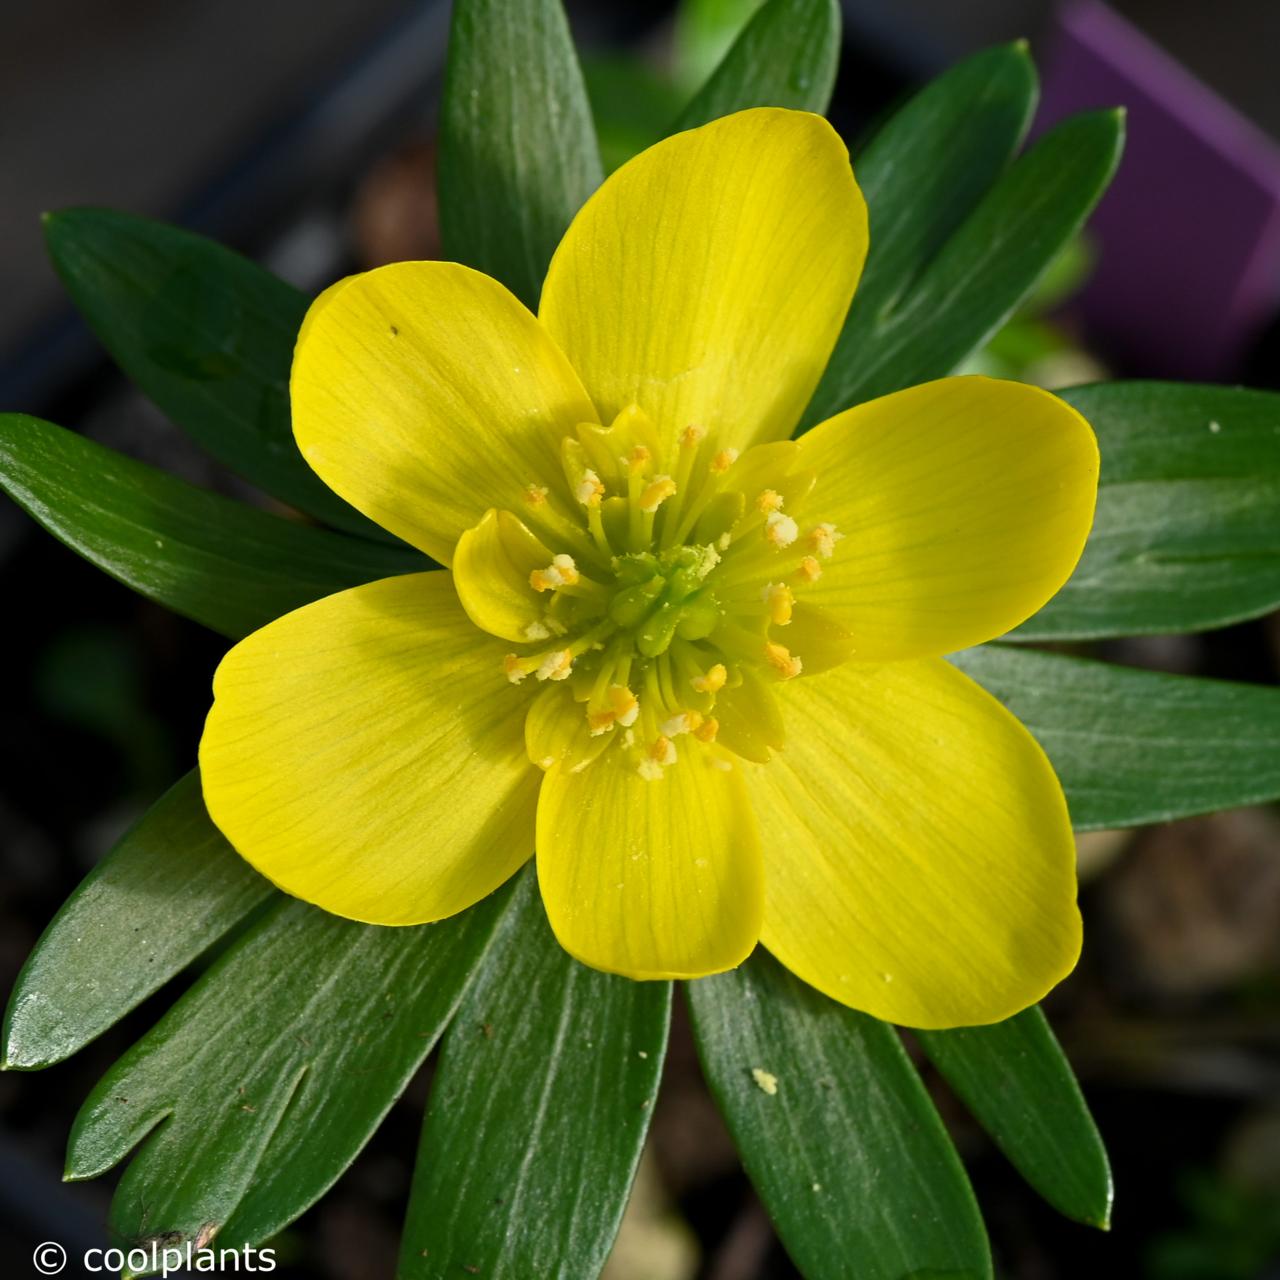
[(222, 563), (518, 152), (539, 1112), (704, 32), (207, 335), (957, 239), (1133, 747), (786, 56), (169, 889), (272, 1071), (1186, 535), (1014, 1078), (848, 1155)]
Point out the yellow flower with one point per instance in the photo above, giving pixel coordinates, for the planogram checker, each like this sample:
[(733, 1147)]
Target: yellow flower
[(694, 664)]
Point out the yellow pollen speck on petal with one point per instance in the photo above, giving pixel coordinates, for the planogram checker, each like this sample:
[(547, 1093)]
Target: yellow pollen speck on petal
[(810, 569), (769, 500), (766, 1081), (782, 660), (713, 681), (823, 539), (658, 490), (590, 489), (691, 437), (780, 530), (556, 666), (625, 705), (723, 461), (535, 494), (707, 730), (514, 671), (649, 770), (777, 595)]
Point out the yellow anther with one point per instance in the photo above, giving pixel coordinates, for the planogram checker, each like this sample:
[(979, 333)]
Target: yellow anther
[(810, 569), (625, 705), (590, 489), (637, 459), (823, 539), (777, 595), (685, 722), (562, 571), (556, 665), (782, 660), (691, 437), (723, 461), (662, 750), (656, 492), (537, 631), (599, 722), (713, 681), (769, 500), (535, 494), (781, 530), (514, 671), (707, 730)]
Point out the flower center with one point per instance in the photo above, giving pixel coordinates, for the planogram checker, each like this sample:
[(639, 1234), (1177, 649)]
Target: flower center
[(664, 596)]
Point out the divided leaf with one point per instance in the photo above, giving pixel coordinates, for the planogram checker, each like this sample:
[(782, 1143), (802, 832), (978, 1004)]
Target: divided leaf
[(270, 1074), (786, 56), (835, 1129), (538, 1114), (1133, 747), (959, 236), (518, 150), (222, 563), (1186, 535), (206, 334), (1015, 1080), (169, 889)]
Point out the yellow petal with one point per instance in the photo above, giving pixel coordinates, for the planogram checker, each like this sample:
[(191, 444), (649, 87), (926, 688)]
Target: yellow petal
[(491, 567), (964, 505), (707, 279), (651, 879), (366, 754), (424, 393), (919, 861)]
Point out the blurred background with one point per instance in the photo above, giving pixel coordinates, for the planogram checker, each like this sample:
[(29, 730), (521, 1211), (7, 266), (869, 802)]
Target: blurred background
[(303, 135)]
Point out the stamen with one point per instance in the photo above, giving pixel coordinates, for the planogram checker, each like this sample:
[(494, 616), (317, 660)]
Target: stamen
[(713, 681), (777, 595), (810, 569), (637, 459), (625, 705), (707, 730), (781, 659), (823, 539), (536, 495), (723, 461), (557, 665), (537, 631), (769, 500), (685, 722), (659, 489), (511, 665), (561, 572), (780, 530), (663, 750), (691, 437), (590, 489)]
